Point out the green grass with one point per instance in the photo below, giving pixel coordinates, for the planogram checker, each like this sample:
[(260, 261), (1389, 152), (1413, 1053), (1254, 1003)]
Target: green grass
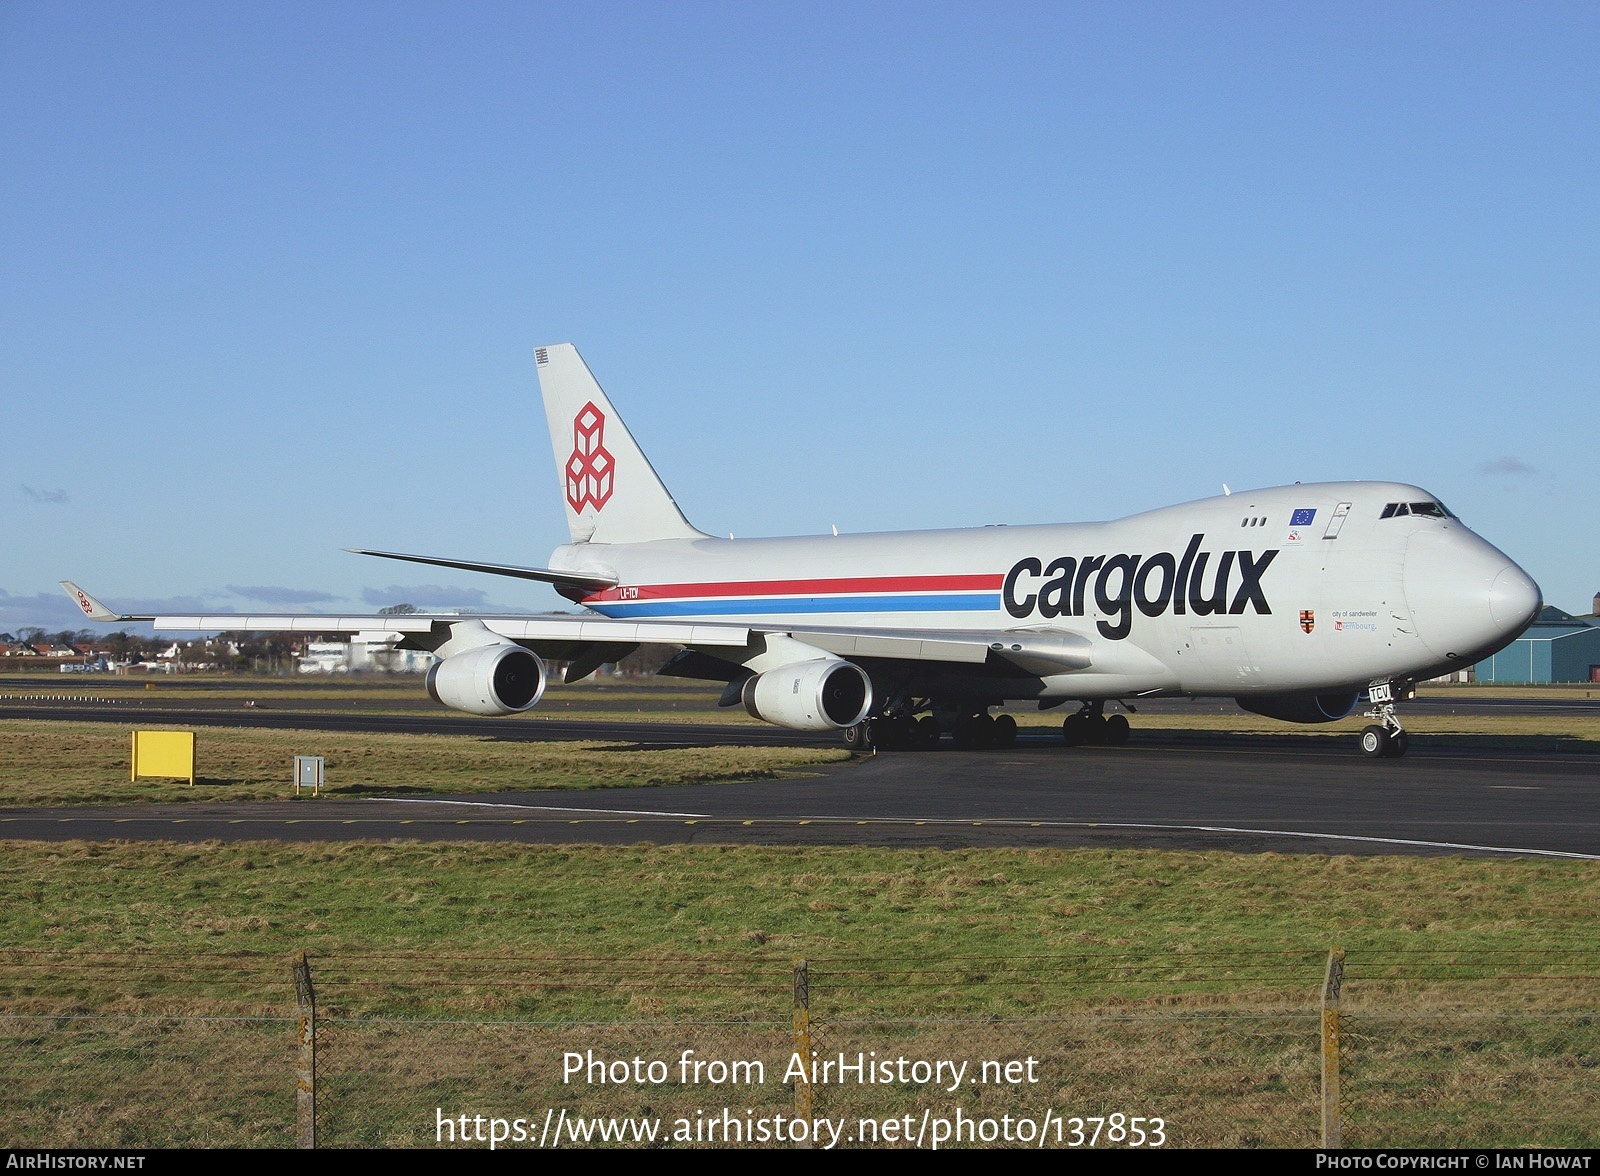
[(892, 931), (1182, 985), (56, 763)]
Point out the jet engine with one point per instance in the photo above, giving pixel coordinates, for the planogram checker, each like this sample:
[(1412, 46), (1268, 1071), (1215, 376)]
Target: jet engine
[(821, 695), (1303, 707), (500, 679)]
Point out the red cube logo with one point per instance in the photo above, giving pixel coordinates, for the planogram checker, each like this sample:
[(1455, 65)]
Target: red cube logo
[(591, 470)]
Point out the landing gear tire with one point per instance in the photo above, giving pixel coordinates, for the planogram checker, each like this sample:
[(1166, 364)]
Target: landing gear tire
[(925, 734), (1385, 739), (1078, 730), (893, 734), (858, 737), (964, 734), (1005, 731), (1116, 730)]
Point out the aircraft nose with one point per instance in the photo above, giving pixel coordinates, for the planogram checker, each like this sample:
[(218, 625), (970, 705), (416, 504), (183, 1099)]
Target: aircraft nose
[(1514, 600), (1466, 596)]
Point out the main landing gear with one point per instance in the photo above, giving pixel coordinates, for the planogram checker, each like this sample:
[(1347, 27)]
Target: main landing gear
[(1385, 739), (904, 732), (1091, 724)]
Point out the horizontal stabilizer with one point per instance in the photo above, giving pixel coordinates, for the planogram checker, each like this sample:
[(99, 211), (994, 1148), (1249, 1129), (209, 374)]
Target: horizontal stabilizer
[(547, 575)]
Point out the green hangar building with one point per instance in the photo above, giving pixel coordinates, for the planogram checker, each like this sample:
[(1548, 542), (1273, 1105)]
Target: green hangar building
[(1558, 647)]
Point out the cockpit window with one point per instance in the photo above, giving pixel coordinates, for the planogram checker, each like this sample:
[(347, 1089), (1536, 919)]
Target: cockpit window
[(1428, 510)]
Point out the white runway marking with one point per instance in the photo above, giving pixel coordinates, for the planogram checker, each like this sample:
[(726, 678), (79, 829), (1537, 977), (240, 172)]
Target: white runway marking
[(1020, 822), (1015, 821)]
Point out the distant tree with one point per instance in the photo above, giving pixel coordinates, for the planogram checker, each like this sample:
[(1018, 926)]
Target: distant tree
[(398, 610), (647, 659), (28, 634), (194, 653)]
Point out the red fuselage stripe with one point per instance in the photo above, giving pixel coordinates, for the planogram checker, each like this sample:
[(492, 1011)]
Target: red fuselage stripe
[(854, 584)]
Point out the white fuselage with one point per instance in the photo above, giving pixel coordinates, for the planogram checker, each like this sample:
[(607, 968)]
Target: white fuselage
[(1294, 588)]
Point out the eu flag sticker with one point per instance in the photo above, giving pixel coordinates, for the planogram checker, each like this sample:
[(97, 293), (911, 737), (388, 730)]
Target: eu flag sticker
[(1302, 517)]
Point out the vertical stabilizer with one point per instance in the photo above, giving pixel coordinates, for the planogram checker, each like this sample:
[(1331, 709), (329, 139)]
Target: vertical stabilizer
[(612, 494)]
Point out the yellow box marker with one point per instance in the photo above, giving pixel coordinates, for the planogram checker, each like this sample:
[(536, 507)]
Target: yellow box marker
[(164, 753)]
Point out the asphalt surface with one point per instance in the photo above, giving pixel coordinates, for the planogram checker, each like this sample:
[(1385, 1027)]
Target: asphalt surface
[(1177, 790), (113, 700)]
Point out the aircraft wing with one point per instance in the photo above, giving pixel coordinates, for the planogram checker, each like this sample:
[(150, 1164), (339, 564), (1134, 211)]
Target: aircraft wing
[(571, 637), (519, 627)]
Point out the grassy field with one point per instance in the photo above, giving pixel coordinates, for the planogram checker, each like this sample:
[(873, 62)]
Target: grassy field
[(145, 996), (405, 926), (87, 763), (1182, 985)]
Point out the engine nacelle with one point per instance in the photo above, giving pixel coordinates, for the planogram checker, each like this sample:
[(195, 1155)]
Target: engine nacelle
[(489, 680), (1303, 707), (821, 695)]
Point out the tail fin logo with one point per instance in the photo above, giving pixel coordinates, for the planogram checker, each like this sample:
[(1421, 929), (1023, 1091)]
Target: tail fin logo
[(591, 470)]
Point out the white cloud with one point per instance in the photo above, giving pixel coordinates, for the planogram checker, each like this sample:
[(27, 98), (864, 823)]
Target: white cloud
[(275, 595), (1506, 467)]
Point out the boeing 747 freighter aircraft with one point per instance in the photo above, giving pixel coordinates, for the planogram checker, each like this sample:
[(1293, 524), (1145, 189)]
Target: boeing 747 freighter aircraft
[(1299, 602)]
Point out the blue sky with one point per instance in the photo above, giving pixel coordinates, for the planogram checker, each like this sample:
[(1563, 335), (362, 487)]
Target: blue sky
[(272, 274)]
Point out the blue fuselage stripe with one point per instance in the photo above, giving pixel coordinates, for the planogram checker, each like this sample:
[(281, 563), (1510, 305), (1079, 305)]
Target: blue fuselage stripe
[(963, 602)]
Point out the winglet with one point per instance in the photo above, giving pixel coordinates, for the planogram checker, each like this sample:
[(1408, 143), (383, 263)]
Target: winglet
[(91, 607)]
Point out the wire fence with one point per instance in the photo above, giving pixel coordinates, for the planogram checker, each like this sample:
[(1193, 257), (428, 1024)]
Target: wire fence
[(1445, 1049)]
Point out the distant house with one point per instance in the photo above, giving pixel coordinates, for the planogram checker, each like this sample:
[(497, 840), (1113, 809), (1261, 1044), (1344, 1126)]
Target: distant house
[(1558, 647), (365, 651)]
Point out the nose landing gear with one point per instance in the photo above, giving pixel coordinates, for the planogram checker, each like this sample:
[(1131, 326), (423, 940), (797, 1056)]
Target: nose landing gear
[(1385, 739)]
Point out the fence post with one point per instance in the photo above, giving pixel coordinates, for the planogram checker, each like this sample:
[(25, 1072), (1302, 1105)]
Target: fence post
[(1330, 1048), (802, 1042), (305, 1073)]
